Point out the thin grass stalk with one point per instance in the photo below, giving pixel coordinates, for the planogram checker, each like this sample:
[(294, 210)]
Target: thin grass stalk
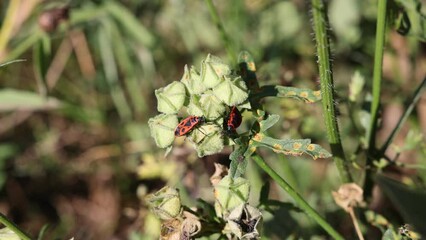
[(297, 198), (14, 228), (377, 74), (6, 28), (225, 38), (404, 117), (377, 81), (320, 23)]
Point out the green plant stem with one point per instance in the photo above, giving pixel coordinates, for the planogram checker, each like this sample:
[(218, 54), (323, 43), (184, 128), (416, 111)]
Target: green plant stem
[(297, 198), (320, 22), (377, 74), (225, 38), (377, 81), (14, 228), (404, 117)]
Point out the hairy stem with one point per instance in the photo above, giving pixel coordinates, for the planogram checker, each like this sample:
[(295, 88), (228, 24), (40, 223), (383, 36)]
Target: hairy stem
[(14, 228), (320, 22), (297, 198)]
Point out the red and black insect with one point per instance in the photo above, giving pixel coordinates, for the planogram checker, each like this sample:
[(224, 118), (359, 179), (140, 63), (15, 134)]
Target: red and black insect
[(233, 120), (188, 124)]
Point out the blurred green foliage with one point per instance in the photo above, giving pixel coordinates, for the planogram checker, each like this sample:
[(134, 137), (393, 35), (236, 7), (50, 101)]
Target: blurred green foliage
[(73, 116)]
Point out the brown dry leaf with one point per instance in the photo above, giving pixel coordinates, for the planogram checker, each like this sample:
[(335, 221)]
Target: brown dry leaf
[(348, 196), (220, 172), (170, 229)]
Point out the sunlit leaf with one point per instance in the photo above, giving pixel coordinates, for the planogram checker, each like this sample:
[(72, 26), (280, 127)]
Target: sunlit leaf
[(15, 100)]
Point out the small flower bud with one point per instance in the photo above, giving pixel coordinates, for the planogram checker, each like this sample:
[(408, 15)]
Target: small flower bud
[(171, 98), (163, 129), (165, 203), (232, 90), (207, 140), (212, 71), (192, 80), (230, 193)]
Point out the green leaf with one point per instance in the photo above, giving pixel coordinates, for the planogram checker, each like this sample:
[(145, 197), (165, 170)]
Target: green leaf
[(14, 100), (413, 20), (294, 147), (248, 70), (247, 61), (213, 70), (41, 60), (238, 159), (390, 234), (163, 129), (231, 91), (306, 95), (170, 99), (7, 234), (409, 202), (12, 61), (269, 122), (211, 105), (192, 80)]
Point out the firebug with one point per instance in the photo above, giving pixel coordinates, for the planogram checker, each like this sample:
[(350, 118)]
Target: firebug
[(233, 120), (188, 124)]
